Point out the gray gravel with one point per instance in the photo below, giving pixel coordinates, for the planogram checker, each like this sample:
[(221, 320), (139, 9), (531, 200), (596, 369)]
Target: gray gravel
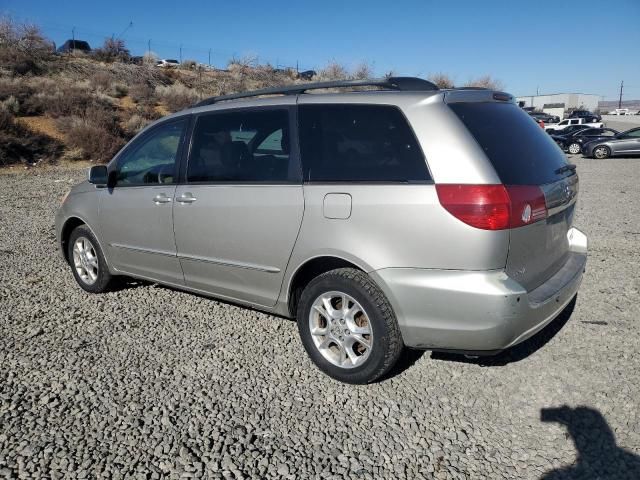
[(148, 382)]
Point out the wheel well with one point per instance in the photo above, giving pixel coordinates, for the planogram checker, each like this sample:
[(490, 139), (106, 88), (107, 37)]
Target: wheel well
[(68, 227), (309, 271)]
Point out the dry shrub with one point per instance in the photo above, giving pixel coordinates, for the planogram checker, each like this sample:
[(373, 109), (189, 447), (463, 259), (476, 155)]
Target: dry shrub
[(19, 144), (96, 133), (363, 71), (333, 71), (24, 49), (143, 94), (11, 105), (17, 93), (118, 90), (147, 112), (486, 81), (66, 101), (101, 80), (176, 97), (134, 124), (442, 80)]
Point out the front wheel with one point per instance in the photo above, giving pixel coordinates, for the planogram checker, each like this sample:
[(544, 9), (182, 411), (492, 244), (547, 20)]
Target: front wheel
[(87, 261), (574, 148), (348, 327), (601, 152)]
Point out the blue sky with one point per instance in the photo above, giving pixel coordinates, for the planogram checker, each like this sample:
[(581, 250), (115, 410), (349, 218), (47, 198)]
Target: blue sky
[(584, 46)]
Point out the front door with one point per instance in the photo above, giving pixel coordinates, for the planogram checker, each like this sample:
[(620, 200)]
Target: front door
[(136, 211), (237, 217)]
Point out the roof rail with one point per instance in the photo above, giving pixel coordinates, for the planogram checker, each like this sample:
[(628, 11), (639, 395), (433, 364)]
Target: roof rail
[(391, 83)]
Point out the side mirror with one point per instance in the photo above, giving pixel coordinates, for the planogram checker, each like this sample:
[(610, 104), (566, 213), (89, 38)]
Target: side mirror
[(98, 175)]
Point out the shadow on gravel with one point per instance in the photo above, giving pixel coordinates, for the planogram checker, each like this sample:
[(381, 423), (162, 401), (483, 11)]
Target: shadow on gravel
[(598, 456), (408, 358), (520, 351)]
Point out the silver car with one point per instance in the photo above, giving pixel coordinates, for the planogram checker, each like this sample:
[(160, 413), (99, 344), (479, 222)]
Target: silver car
[(446, 224), (624, 143)]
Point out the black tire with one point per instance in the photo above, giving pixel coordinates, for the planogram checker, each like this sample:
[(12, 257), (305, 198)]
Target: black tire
[(103, 278), (387, 344)]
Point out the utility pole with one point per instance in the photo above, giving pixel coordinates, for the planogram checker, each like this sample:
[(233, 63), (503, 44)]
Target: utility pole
[(180, 53), (149, 47), (620, 101), (537, 91), (209, 58)]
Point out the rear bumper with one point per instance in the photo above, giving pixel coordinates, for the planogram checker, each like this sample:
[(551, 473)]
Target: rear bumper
[(478, 311)]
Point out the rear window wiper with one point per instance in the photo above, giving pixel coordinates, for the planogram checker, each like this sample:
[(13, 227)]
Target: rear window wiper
[(565, 168)]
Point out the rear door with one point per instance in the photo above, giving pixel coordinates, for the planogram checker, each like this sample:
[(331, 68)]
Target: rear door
[(629, 142), (525, 157), (237, 216)]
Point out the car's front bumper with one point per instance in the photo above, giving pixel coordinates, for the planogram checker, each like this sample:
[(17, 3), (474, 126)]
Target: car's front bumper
[(478, 312)]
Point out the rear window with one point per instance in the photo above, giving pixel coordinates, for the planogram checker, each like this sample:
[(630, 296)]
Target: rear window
[(359, 143), (520, 151)]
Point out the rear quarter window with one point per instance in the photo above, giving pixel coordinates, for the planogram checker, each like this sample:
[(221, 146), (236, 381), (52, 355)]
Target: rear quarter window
[(359, 143), (520, 151)]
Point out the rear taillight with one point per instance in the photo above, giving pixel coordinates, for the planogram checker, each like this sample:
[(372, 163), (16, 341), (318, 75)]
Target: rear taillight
[(493, 207), (528, 205)]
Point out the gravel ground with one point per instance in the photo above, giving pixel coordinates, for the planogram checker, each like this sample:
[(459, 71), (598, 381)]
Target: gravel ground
[(148, 382)]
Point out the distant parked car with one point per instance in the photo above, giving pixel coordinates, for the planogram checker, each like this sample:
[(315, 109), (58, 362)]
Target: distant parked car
[(625, 143), (574, 141), (307, 74), (586, 114), (570, 129), (74, 45), (545, 117), (167, 63), (573, 121)]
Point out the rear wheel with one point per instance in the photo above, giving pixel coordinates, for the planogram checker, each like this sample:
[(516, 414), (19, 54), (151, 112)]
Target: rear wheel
[(601, 152), (348, 327), (87, 261), (574, 148)]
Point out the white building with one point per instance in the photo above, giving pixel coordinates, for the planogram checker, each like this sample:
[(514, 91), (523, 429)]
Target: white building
[(558, 103)]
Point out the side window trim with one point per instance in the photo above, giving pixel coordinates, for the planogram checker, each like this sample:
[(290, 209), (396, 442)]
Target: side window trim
[(138, 140), (295, 167)]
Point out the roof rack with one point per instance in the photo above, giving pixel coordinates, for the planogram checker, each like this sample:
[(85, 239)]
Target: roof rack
[(413, 84)]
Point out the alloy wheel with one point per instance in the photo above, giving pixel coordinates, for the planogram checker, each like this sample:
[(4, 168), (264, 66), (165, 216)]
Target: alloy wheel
[(85, 260), (601, 152), (574, 148), (340, 329)]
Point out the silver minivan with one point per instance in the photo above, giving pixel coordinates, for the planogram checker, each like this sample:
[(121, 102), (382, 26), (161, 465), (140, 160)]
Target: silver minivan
[(397, 216)]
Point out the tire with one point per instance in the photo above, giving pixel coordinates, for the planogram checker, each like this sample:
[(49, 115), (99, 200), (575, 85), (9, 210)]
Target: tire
[(87, 261), (574, 148), (357, 346), (601, 152)]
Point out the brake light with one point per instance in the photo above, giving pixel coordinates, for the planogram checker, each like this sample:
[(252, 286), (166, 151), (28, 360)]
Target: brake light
[(493, 207)]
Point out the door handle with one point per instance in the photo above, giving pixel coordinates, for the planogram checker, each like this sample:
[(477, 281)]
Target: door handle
[(162, 198), (186, 198)]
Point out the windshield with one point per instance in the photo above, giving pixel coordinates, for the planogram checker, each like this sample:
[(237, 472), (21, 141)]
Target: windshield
[(520, 151)]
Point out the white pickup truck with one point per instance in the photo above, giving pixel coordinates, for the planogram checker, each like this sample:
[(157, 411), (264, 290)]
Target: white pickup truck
[(571, 121)]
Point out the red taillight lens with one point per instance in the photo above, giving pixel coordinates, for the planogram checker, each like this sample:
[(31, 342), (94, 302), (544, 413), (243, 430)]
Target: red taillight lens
[(481, 206), (493, 207)]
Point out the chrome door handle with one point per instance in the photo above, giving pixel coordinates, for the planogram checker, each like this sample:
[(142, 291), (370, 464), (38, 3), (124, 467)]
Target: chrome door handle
[(162, 198), (186, 198)]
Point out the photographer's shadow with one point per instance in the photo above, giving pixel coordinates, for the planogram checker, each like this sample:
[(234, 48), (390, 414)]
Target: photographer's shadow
[(598, 456)]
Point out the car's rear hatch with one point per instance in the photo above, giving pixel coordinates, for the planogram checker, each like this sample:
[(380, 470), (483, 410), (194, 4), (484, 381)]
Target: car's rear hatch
[(542, 186)]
